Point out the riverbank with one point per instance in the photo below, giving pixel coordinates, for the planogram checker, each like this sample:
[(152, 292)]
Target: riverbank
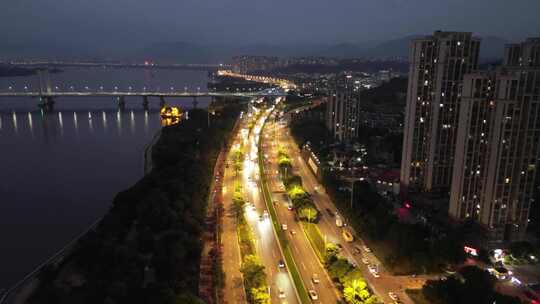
[(149, 241)]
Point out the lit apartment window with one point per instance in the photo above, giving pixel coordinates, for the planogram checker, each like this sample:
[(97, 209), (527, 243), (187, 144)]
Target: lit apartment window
[(421, 119), (507, 180), (426, 82), (459, 43)]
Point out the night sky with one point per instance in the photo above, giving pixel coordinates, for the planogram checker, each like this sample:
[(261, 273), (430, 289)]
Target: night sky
[(256, 21)]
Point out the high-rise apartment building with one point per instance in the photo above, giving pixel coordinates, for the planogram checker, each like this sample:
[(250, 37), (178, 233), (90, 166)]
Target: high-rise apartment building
[(437, 65), (498, 144), (343, 112)]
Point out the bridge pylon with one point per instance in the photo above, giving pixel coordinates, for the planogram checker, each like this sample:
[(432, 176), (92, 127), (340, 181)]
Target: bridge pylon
[(121, 102), (46, 103), (162, 102), (45, 87), (195, 102), (145, 102)]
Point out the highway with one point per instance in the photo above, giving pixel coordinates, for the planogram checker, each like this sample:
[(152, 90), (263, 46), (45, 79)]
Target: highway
[(265, 239), (386, 282), (303, 254)]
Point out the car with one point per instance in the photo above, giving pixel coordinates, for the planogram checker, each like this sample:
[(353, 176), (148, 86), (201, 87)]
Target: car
[(313, 294), (315, 278), (365, 261), (371, 268), (330, 212), (282, 294), (339, 246), (281, 264), (284, 226), (290, 207), (261, 218), (356, 251), (393, 296), (265, 213), (293, 232), (375, 274), (366, 248)]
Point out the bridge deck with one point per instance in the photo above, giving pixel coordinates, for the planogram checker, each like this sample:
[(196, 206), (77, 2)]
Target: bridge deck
[(276, 93)]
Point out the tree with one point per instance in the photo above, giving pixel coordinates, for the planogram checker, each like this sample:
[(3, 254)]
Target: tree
[(188, 299), (307, 212), (372, 300), (354, 286), (253, 271), (260, 295), (331, 252), (339, 268)]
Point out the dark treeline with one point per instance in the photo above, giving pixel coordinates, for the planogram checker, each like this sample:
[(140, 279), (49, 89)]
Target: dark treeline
[(147, 247)]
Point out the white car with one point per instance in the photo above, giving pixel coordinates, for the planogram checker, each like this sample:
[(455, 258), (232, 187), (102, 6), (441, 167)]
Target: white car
[(315, 278), (365, 261), (393, 296), (282, 294), (313, 294), (284, 226), (375, 273), (366, 248)]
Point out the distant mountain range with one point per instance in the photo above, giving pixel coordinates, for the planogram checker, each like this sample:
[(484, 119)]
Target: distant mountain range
[(491, 48), (186, 52)]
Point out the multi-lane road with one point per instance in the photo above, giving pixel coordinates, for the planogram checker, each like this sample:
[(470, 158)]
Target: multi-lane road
[(267, 245), (282, 289), (386, 282), (305, 258)]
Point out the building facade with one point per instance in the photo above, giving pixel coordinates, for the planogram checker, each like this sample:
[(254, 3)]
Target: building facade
[(437, 66), (498, 144), (343, 112)]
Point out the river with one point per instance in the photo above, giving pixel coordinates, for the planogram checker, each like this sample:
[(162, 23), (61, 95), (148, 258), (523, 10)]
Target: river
[(59, 171)]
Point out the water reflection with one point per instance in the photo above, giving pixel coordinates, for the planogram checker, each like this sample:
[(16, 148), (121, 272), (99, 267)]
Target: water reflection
[(119, 122), (15, 128), (132, 122), (104, 119), (90, 125), (145, 122), (49, 124), (61, 123), (30, 124)]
